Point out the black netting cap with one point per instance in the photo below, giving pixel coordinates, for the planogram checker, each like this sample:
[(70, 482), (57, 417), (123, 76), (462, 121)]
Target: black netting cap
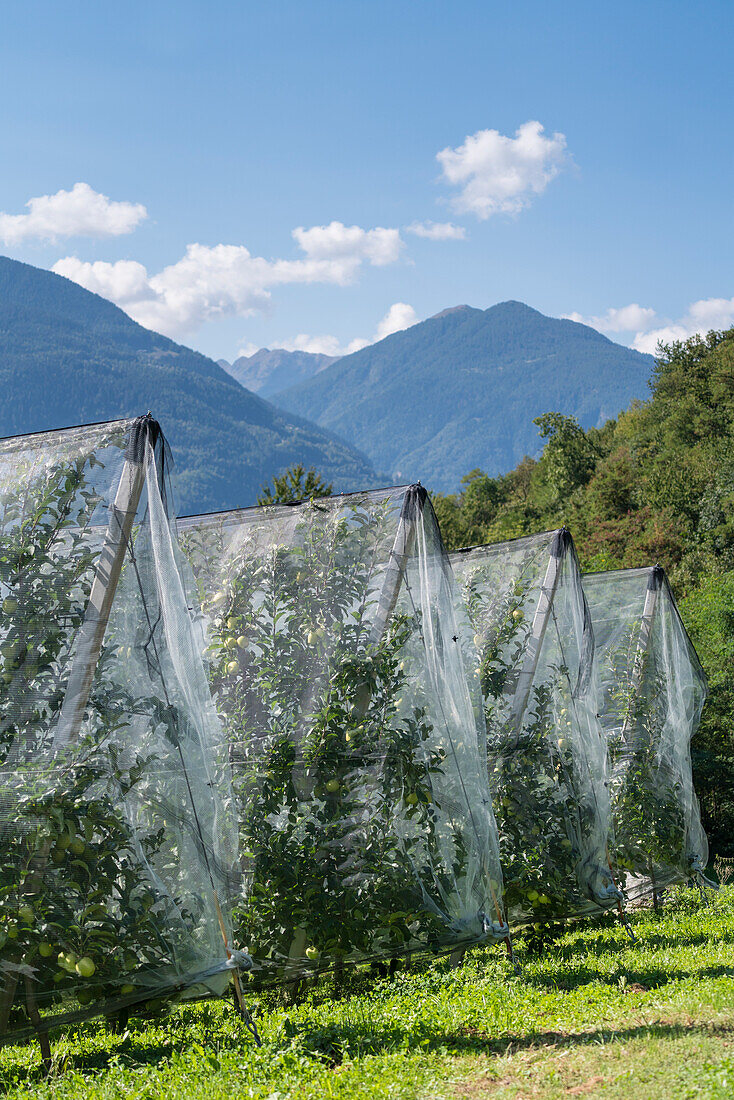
[(415, 498), (145, 428), (561, 543), (656, 578)]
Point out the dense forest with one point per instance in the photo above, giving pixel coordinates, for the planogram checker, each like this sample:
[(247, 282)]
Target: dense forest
[(656, 485)]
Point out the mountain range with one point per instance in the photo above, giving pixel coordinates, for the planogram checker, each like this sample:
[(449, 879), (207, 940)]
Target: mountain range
[(270, 370), (68, 357), (430, 403), (460, 390)]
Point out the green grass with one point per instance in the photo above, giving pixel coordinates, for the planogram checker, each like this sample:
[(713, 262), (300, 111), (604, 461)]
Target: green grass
[(592, 1015)]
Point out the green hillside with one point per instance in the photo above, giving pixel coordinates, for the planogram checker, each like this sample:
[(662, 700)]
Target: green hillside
[(461, 389), (70, 357)]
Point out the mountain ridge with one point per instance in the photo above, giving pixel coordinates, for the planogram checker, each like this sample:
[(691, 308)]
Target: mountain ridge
[(460, 390), (68, 356), (270, 370)]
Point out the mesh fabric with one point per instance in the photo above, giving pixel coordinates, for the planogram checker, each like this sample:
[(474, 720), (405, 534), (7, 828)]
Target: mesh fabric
[(114, 833), (332, 630), (651, 692), (532, 656)]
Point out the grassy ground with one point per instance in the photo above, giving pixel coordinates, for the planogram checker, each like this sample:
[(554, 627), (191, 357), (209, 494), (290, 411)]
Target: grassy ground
[(593, 1015)]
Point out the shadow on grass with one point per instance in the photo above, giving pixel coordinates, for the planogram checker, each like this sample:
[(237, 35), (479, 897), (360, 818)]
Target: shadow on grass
[(652, 977), (598, 945), (330, 1044), (334, 1044)]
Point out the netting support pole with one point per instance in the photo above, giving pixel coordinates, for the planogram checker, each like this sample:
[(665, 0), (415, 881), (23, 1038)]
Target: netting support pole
[(104, 585), (654, 584), (415, 498), (541, 619)]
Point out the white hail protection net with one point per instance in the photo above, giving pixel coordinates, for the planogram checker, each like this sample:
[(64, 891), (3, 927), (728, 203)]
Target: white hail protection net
[(651, 692), (532, 656), (333, 631), (114, 833)]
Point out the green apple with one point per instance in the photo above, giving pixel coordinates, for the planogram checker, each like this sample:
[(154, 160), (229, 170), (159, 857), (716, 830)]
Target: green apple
[(333, 786), (85, 967), (127, 988), (231, 643), (243, 641), (231, 623), (58, 855), (10, 605), (412, 798), (232, 667), (67, 961), (25, 914), (478, 641), (77, 846), (63, 840), (45, 950), (219, 598), (85, 996), (518, 615), (312, 953)]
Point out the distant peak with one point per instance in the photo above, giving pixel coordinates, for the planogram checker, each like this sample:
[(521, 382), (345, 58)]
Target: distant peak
[(513, 306), (451, 309)]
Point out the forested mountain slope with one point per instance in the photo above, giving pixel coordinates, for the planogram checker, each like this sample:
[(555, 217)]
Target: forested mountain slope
[(69, 357), (461, 389)]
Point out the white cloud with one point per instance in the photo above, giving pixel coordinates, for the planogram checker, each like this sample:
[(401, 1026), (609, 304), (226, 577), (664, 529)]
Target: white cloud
[(349, 245), (497, 174), (399, 316), (631, 318), (708, 313), (437, 231), (648, 341), (700, 317), (81, 212), (123, 282), (209, 283), (321, 345)]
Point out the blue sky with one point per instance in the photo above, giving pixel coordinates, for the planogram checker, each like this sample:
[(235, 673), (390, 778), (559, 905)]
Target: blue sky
[(229, 126)]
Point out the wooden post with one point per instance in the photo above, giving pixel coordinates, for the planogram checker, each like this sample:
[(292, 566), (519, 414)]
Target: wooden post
[(541, 618), (107, 574), (654, 584), (415, 498)]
